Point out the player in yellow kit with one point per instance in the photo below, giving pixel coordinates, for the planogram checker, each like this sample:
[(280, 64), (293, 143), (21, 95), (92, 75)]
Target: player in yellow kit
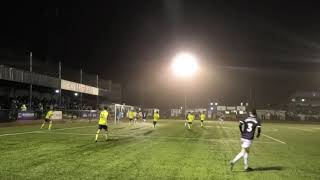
[(103, 123), (48, 119), (202, 118), (156, 117), (190, 119), (131, 116), (186, 121)]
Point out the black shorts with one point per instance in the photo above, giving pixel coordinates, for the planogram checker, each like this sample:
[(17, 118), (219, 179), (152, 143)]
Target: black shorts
[(105, 127), (130, 119), (47, 120), (189, 122), (202, 120)]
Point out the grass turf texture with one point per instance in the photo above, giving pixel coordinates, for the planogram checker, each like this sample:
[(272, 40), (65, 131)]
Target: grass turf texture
[(169, 151)]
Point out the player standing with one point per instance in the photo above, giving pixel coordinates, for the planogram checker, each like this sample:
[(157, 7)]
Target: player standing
[(48, 119), (247, 135), (156, 117), (202, 118), (103, 123)]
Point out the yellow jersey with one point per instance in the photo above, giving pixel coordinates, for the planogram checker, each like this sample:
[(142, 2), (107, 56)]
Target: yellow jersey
[(190, 117), (49, 114), (103, 120), (131, 114), (156, 117), (202, 117)]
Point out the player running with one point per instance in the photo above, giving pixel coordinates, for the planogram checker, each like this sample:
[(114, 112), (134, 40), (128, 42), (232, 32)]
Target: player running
[(131, 116), (186, 122), (144, 116), (48, 119), (156, 117), (221, 119), (135, 117), (247, 135), (202, 118), (103, 123), (190, 118)]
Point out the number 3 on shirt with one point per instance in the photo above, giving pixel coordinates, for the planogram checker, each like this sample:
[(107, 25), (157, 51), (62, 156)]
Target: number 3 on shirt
[(249, 128)]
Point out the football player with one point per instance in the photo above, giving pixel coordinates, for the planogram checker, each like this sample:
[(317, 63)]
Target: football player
[(247, 129)]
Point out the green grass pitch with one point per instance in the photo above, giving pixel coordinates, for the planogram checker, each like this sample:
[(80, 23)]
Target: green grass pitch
[(284, 151)]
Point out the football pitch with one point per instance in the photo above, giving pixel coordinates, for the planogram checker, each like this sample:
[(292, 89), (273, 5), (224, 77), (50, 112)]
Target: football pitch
[(170, 151)]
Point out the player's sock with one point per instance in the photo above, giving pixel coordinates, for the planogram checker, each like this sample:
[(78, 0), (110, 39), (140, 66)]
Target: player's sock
[(42, 125), (189, 127), (185, 124), (231, 165), (50, 125), (238, 156), (245, 160), (97, 134), (106, 135)]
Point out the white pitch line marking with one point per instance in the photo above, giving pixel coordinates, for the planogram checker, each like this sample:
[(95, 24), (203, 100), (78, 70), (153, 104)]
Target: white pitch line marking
[(274, 139), (38, 131), (306, 130), (151, 137), (72, 128), (12, 134)]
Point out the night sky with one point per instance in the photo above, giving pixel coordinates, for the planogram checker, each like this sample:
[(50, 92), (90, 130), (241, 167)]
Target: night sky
[(269, 46)]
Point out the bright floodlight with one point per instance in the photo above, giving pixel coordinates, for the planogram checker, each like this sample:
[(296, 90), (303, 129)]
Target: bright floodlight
[(184, 64)]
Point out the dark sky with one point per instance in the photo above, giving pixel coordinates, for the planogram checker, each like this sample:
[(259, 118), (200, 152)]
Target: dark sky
[(270, 46)]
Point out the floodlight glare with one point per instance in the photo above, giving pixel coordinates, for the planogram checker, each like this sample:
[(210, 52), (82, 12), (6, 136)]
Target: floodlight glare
[(184, 64), (57, 91)]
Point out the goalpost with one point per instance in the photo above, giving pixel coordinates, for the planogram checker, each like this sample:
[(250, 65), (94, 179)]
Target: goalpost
[(121, 111)]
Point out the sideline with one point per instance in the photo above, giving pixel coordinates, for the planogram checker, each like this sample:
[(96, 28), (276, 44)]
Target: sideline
[(273, 138)]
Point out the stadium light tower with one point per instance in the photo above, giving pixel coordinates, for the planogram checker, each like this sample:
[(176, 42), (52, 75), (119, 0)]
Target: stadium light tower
[(184, 65)]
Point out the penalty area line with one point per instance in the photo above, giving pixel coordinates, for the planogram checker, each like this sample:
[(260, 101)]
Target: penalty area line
[(273, 138)]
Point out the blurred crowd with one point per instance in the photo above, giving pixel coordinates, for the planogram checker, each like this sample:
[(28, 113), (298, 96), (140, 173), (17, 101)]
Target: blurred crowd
[(41, 104)]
